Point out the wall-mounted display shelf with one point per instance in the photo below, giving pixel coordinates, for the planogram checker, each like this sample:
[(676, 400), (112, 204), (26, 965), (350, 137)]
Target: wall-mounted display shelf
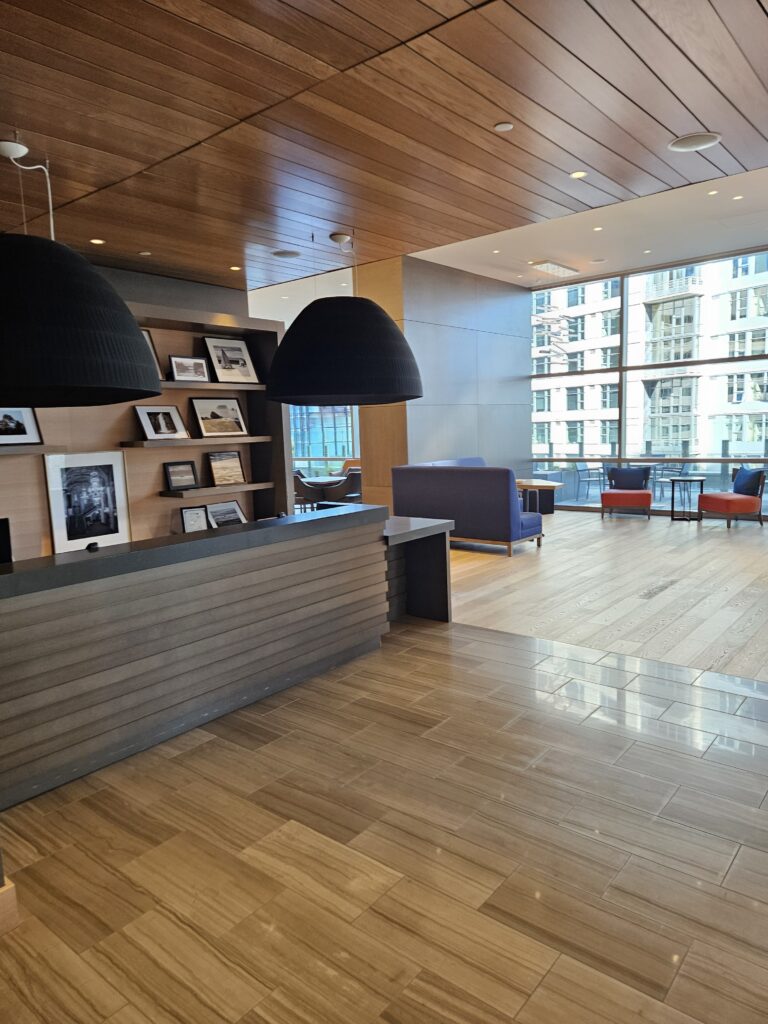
[(209, 492), (200, 442), (188, 385), (32, 449)]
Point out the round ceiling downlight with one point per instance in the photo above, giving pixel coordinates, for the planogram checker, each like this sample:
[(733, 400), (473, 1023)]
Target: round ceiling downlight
[(694, 142), (503, 126)]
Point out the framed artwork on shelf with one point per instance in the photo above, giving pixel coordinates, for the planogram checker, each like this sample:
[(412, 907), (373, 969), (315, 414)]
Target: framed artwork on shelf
[(190, 368), (161, 422), (181, 476), (225, 513), (19, 426), (219, 417), (226, 468), (151, 346), (88, 500), (231, 361), (194, 519)]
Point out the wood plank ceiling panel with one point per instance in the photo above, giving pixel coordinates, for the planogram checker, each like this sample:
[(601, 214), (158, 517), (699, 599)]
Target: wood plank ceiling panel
[(213, 132)]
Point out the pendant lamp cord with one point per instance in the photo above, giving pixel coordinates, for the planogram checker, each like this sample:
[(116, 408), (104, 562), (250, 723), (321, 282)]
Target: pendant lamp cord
[(23, 204), (44, 169)]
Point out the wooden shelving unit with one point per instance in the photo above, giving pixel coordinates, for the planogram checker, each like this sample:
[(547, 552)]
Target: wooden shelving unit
[(188, 385), (200, 442), (32, 449), (209, 492)]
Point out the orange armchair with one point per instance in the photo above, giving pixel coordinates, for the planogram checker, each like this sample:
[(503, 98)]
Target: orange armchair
[(627, 488), (746, 498)]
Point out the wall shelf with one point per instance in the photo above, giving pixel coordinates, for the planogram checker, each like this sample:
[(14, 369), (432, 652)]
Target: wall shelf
[(200, 442), (188, 385), (209, 492), (32, 449)]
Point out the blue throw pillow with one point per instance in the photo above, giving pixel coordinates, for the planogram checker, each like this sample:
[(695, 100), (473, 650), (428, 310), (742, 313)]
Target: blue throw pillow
[(747, 481), (629, 479)]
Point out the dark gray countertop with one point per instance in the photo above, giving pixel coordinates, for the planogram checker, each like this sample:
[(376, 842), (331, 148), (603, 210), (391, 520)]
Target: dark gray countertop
[(400, 529), (37, 574)]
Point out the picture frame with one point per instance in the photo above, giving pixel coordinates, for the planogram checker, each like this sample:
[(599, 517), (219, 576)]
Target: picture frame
[(219, 417), (161, 422), (153, 350), (226, 468), (19, 426), (231, 361), (225, 513), (88, 500), (193, 369), (194, 518), (181, 476)]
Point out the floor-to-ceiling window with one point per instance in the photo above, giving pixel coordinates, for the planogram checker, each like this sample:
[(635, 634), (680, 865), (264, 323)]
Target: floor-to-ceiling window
[(671, 364), (322, 437)]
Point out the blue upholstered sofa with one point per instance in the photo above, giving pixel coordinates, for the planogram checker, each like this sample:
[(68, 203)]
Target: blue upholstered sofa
[(482, 500)]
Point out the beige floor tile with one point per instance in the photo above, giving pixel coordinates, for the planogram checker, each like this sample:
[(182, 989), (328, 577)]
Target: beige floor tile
[(697, 696), (311, 753), (648, 667), (335, 876), (659, 732), (606, 781), (749, 874), (249, 731), (717, 987), (145, 777), (230, 765), (739, 754), (443, 803), (557, 704), (589, 929), (516, 675), (424, 753), (566, 736), (466, 737), (654, 838), (436, 857), (310, 716), (733, 684), (612, 697), (754, 708), (430, 999), (493, 963), (413, 718), (730, 726), (695, 773), (511, 786), (573, 993), (211, 888), (586, 673), (724, 818), (27, 836), (502, 652)]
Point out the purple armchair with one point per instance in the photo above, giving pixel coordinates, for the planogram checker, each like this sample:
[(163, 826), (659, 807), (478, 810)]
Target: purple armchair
[(482, 500)]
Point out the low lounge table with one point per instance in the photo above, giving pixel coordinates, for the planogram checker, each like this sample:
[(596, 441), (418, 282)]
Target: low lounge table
[(534, 487)]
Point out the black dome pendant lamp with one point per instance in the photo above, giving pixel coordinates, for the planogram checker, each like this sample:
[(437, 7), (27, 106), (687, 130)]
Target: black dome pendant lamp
[(343, 350), (66, 336)]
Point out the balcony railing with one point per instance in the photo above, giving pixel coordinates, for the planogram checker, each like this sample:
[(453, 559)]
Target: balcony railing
[(665, 286)]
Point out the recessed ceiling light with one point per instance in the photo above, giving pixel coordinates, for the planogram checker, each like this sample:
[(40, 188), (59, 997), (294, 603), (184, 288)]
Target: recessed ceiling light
[(235, 268), (503, 126), (283, 296), (286, 254), (495, 252), (738, 197), (145, 252), (578, 174), (519, 275), (597, 229), (530, 263), (694, 142), (343, 284), (97, 241), (600, 259), (646, 252), (712, 192)]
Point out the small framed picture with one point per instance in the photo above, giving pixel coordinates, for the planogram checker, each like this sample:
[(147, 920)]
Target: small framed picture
[(190, 368), (226, 468), (225, 513), (161, 422), (231, 361), (151, 347), (181, 476), (194, 519), (18, 426), (88, 500), (219, 417)]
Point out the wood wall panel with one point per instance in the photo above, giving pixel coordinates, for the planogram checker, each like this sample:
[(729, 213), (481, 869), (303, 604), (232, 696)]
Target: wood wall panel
[(361, 115), (153, 662)]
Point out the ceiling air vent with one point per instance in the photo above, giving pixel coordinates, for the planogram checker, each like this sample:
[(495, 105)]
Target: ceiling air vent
[(555, 269)]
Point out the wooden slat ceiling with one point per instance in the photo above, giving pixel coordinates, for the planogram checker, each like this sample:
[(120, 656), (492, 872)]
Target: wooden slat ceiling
[(213, 132)]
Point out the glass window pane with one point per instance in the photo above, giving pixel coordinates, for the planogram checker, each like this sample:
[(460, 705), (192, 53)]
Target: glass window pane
[(573, 326), (574, 421)]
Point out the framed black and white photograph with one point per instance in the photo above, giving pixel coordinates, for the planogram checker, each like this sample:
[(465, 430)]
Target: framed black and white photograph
[(194, 519), (88, 500), (18, 426), (225, 513), (161, 422), (190, 368), (181, 476), (219, 417), (231, 361), (151, 346), (226, 468)]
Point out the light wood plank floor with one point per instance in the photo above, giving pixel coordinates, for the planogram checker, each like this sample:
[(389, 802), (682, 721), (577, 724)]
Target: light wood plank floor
[(689, 594), (468, 827)]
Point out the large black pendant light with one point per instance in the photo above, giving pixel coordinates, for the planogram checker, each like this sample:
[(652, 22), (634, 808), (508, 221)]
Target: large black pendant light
[(343, 351), (66, 336)]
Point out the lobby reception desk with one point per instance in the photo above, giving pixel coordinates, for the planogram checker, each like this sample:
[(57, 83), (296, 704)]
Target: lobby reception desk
[(104, 654)]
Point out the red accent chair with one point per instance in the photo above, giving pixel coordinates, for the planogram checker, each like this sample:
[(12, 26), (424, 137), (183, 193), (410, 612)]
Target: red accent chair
[(735, 503), (627, 488)]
